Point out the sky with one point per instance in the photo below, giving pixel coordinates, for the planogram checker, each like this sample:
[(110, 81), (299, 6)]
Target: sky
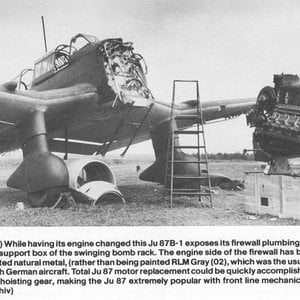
[(232, 47)]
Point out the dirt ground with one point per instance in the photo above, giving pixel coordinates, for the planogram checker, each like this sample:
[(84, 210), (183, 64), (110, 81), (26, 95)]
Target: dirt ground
[(145, 205)]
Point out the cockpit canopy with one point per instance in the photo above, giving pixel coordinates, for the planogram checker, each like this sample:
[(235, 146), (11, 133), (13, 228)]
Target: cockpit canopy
[(111, 60), (58, 58)]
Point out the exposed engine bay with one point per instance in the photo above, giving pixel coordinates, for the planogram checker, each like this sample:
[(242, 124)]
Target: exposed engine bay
[(125, 70), (276, 118)]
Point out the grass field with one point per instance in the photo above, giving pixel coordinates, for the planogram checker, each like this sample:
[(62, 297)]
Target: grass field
[(145, 204)]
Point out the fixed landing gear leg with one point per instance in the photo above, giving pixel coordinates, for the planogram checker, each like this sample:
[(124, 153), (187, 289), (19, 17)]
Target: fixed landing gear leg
[(41, 174)]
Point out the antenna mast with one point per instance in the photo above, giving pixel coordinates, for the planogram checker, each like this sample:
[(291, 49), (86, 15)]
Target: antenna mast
[(44, 33)]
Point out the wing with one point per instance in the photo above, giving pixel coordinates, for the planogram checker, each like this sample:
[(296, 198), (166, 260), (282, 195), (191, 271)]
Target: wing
[(215, 110), (62, 108), (75, 115), (116, 127)]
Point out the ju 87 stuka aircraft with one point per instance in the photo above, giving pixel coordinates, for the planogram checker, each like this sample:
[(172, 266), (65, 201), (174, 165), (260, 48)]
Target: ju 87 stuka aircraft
[(78, 102)]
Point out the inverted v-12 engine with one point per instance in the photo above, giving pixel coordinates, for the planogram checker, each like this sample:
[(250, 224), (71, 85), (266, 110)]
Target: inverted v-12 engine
[(276, 118)]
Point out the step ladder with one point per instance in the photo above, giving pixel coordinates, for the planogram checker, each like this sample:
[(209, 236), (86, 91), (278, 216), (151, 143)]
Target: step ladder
[(126, 121), (200, 160)]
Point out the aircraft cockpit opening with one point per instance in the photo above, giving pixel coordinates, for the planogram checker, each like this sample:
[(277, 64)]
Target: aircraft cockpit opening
[(59, 58), (44, 67), (51, 63)]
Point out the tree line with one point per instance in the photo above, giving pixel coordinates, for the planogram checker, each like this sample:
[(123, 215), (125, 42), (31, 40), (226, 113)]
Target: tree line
[(230, 156)]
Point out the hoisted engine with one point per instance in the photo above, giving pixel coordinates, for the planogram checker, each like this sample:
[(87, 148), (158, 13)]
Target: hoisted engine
[(276, 118)]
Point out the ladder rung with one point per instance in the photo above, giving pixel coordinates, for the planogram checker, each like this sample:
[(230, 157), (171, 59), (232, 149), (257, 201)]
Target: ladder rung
[(132, 124), (188, 117), (188, 147), (187, 190), (190, 161), (188, 131), (188, 177), (191, 193)]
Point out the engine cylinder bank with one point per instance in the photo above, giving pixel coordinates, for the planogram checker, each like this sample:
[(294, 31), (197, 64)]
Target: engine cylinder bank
[(276, 117)]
